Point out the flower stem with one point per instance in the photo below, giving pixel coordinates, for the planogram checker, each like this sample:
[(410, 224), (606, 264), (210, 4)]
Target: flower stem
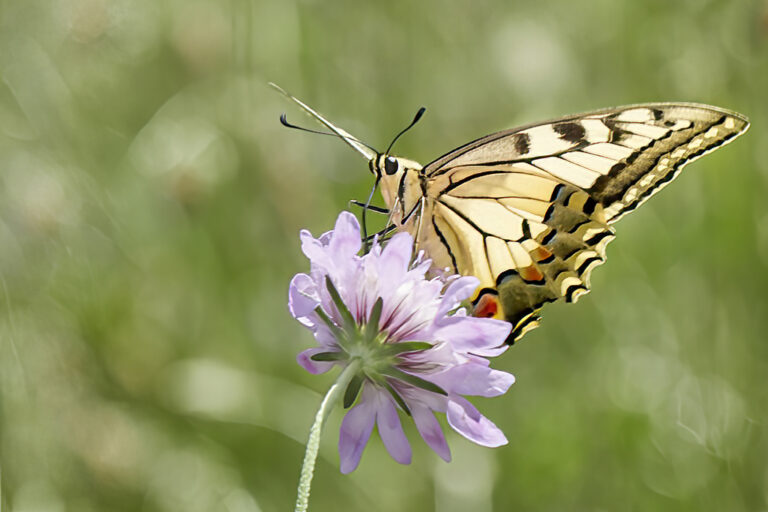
[(313, 444)]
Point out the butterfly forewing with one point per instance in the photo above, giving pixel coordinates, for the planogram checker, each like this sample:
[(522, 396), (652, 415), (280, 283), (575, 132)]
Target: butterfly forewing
[(527, 211), (662, 142)]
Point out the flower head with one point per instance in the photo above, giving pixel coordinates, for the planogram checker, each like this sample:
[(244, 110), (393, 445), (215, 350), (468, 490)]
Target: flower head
[(411, 345)]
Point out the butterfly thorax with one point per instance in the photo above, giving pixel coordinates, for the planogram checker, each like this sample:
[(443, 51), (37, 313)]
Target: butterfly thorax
[(402, 186)]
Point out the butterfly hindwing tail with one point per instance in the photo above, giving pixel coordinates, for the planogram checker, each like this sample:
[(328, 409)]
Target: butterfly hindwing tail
[(562, 258)]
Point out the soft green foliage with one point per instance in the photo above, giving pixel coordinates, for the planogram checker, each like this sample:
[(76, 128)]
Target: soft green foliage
[(150, 204)]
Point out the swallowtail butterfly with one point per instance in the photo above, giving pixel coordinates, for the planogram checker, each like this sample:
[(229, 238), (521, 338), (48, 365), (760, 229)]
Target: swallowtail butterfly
[(529, 211)]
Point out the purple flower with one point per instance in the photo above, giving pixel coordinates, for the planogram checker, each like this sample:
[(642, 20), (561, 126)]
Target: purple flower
[(411, 348)]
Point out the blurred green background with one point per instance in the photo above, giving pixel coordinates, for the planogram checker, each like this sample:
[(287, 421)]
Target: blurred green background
[(150, 205)]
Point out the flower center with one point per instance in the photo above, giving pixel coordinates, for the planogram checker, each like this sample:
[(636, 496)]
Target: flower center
[(365, 346)]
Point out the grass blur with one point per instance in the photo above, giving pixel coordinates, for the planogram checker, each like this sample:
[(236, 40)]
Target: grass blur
[(150, 205)]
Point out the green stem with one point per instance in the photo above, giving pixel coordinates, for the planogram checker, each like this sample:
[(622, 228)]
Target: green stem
[(313, 444)]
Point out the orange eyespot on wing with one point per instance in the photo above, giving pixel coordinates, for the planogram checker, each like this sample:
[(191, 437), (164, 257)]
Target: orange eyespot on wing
[(487, 305)]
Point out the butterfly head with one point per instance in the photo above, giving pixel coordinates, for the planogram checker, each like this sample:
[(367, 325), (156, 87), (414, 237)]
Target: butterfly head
[(387, 166), (400, 182)]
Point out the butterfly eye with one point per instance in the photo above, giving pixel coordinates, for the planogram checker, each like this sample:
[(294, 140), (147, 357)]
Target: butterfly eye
[(390, 166)]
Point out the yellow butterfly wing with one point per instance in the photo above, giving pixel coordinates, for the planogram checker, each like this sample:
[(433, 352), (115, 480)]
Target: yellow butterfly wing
[(528, 210)]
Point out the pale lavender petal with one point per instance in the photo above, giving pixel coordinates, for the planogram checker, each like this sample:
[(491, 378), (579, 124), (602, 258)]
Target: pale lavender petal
[(323, 335), (351, 283), (474, 379), (416, 309), (430, 431), (391, 431), (367, 290), (461, 312), (492, 352), (394, 259), (421, 265), (482, 336), (325, 299), (456, 292), (302, 296), (346, 236), (415, 397), (477, 359), (315, 367), (356, 429), (325, 238), (467, 421), (441, 354), (393, 294), (312, 248)]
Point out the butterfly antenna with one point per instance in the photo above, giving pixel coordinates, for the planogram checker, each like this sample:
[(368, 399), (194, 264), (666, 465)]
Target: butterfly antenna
[(415, 120), (364, 149), (284, 122)]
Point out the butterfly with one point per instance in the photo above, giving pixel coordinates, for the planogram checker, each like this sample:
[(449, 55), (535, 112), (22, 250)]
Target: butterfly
[(529, 211)]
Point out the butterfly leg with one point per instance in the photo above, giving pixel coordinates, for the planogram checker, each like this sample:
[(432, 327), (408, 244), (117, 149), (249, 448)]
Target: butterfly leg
[(366, 242), (382, 233), (392, 211), (417, 236)]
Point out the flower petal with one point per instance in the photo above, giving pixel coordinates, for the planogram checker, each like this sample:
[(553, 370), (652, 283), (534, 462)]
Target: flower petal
[(345, 241), (482, 336), (315, 367), (467, 421), (323, 333), (416, 397), (456, 292), (391, 430), (475, 379), (394, 259), (430, 431), (356, 429), (315, 251), (416, 302), (325, 238), (302, 296)]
